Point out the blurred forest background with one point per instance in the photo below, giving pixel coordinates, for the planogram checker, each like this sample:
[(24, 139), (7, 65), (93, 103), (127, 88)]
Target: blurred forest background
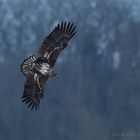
[(97, 96)]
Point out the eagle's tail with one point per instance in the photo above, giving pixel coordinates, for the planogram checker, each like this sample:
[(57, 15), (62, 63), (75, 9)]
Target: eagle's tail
[(27, 65)]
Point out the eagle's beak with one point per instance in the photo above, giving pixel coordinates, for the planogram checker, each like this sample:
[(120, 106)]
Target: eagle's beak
[(57, 75)]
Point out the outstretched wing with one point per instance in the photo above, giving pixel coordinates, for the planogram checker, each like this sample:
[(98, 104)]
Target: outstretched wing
[(56, 42), (33, 90)]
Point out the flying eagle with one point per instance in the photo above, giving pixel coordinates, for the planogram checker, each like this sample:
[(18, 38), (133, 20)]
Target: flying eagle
[(38, 68)]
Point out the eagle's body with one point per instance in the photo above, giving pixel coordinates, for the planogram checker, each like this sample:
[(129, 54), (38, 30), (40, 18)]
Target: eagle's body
[(37, 69), (43, 68)]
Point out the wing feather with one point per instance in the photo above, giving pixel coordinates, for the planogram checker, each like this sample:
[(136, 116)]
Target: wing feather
[(52, 57), (33, 91), (59, 37)]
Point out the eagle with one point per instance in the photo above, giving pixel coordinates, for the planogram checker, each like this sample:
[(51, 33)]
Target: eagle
[(40, 67)]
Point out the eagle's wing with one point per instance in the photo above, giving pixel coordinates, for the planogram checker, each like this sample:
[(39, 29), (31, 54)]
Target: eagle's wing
[(56, 42), (33, 90)]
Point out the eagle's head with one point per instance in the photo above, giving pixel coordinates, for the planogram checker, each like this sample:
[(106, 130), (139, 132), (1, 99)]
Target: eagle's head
[(54, 74)]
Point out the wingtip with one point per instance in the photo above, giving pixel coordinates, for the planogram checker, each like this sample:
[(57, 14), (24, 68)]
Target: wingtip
[(32, 104), (67, 27)]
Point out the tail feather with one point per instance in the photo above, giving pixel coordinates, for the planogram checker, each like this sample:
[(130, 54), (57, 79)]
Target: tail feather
[(27, 65)]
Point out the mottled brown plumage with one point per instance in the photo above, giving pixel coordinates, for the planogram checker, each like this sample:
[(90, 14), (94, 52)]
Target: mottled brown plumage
[(37, 69)]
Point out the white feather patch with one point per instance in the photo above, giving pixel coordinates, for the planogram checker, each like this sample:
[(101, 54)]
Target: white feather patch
[(45, 69), (35, 76)]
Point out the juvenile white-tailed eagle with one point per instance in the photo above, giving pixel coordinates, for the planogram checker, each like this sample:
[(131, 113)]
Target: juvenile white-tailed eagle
[(38, 68)]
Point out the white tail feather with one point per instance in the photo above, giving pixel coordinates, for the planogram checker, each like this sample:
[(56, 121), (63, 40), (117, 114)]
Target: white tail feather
[(28, 64)]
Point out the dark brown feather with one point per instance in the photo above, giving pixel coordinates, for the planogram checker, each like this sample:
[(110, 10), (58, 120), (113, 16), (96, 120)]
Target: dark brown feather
[(59, 37), (33, 92), (52, 57)]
